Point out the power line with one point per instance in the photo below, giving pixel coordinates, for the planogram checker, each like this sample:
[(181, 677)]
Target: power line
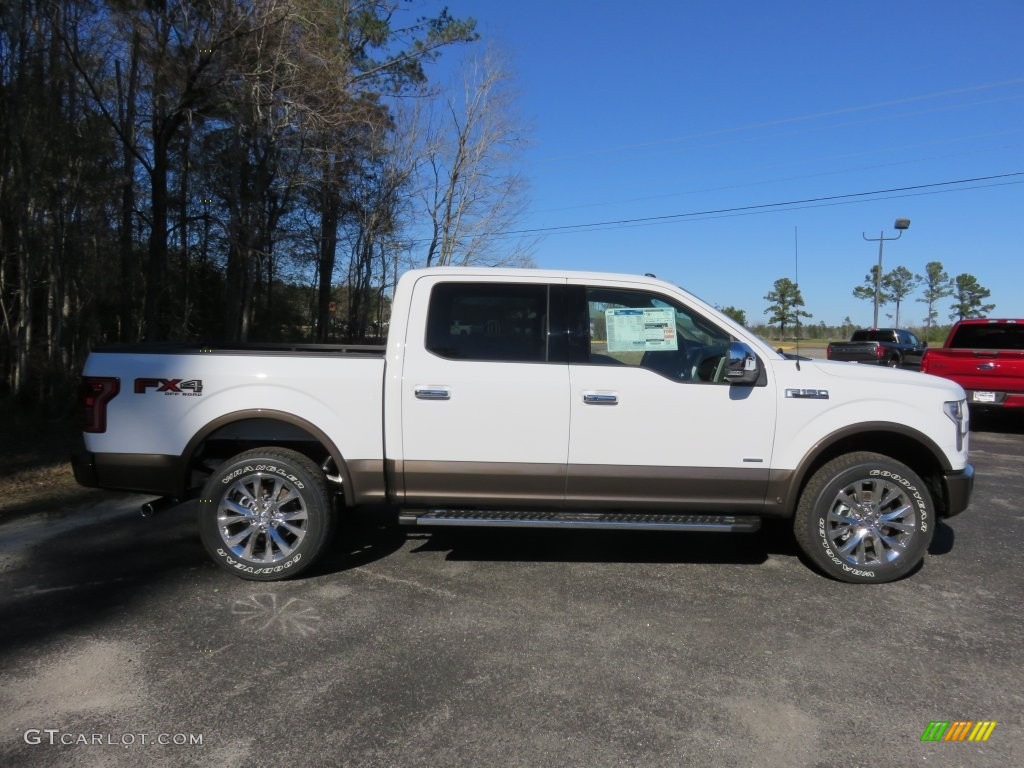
[(766, 181), (746, 209), (833, 203)]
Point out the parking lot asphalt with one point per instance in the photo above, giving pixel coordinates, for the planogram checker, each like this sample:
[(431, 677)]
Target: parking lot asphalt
[(474, 648)]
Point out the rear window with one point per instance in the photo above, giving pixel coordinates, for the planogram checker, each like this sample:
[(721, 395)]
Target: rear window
[(877, 335), (489, 321), (989, 336)]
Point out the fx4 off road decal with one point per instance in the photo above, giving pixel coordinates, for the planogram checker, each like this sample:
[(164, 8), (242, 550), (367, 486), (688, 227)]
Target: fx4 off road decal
[(189, 388)]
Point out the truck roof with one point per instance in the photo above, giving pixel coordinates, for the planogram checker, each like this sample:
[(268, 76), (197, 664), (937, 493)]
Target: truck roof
[(986, 321), (551, 274), (542, 273)]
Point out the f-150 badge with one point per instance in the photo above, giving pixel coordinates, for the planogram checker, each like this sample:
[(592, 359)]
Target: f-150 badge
[(808, 394)]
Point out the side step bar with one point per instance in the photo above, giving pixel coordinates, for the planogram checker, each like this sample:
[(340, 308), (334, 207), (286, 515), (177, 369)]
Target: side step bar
[(603, 520)]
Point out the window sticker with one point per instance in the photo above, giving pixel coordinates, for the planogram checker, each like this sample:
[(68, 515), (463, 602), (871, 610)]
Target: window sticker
[(641, 330)]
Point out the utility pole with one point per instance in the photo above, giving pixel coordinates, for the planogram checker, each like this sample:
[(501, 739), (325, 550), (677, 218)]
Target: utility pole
[(900, 225)]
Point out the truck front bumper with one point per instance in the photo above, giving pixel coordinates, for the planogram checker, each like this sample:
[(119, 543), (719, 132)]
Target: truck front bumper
[(957, 487)]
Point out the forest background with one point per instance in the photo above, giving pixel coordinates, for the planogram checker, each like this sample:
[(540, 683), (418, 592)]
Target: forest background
[(227, 171)]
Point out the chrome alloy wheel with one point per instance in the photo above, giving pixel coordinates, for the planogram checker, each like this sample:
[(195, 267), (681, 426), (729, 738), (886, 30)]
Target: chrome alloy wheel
[(262, 518), (871, 522)]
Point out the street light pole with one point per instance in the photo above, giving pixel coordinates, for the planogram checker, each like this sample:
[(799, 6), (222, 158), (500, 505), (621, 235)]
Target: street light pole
[(901, 225)]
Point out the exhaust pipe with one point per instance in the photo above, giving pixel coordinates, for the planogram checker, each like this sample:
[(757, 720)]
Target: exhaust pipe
[(151, 508)]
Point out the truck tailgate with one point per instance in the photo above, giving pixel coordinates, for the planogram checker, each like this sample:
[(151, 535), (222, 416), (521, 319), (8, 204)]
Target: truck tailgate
[(979, 369)]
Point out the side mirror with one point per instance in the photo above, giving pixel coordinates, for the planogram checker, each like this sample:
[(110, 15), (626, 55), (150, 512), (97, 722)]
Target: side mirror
[(742, 367)]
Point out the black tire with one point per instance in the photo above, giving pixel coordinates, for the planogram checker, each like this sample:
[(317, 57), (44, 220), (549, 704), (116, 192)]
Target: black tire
[(266, 514), (864, 517), (894, 362)]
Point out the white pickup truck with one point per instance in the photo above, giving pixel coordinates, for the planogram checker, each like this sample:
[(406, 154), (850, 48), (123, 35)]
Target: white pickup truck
[(533, 398)]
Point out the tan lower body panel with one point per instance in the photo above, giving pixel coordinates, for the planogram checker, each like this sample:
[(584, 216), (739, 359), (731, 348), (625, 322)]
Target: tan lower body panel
[(483, 483), (494, 485)]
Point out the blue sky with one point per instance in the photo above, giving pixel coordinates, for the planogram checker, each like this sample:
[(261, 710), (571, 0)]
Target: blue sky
[(656, 109)]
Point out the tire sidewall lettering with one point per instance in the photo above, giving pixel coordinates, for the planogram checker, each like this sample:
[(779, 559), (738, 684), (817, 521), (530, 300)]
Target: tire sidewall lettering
[(270, 469), (241, 566), (835, 558), (915, 494)]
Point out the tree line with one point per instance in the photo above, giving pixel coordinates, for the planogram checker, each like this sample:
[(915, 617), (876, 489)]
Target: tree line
[(786, 302), (233, 170), (935, 284)]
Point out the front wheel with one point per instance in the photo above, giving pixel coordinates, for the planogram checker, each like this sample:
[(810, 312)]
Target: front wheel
[(864, 517), (266, 514)]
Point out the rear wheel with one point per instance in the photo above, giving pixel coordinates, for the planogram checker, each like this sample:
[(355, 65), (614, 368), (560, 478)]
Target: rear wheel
[(865, 517), (266, 514)]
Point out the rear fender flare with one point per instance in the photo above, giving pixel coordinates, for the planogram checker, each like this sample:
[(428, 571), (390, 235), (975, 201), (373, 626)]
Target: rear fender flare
[(270, 415)]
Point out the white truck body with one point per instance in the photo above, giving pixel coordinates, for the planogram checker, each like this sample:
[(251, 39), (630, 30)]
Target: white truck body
[(574, 424)]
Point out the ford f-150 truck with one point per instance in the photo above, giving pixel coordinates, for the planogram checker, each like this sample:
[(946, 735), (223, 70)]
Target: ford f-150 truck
[(986, 358), (533, 398), (893, 347)]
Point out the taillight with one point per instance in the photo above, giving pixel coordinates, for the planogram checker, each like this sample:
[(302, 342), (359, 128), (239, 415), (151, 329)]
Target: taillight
[(879, 351), (924, 362), (828, 352), (94, 393)]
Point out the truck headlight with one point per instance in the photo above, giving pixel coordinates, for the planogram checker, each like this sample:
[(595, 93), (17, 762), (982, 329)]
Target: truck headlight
[(957, 412)]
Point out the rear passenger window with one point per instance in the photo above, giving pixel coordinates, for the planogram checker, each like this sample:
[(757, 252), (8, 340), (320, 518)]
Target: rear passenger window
[(488, 321)]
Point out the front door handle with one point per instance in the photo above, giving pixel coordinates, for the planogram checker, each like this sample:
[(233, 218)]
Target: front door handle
[(600, 398), (433, 393)]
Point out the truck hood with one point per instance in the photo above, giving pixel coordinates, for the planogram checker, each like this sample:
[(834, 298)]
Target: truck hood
[(885, 377)]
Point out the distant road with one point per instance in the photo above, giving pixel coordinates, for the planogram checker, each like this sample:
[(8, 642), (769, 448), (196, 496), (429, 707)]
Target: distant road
[(807, 351)]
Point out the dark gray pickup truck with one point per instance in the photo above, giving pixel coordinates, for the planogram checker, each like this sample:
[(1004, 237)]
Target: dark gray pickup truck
[(893, 347)]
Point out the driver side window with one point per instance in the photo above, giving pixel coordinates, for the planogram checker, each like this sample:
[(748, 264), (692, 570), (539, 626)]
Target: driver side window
[(645, 330)]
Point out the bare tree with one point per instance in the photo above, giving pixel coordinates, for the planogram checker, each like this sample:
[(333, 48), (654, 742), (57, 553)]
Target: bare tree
[(355, 56), (472, 190), (257, 111)]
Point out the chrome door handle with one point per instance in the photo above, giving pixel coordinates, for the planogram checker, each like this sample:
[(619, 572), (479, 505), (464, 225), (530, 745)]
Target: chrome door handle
[(433, 393), (593, 398)]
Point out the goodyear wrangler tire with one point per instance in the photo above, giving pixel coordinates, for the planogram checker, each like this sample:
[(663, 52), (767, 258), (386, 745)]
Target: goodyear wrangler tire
[(864, 517), (266, 514)]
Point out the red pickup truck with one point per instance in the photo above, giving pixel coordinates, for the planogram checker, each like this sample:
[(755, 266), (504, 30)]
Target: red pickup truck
[(986, 358)]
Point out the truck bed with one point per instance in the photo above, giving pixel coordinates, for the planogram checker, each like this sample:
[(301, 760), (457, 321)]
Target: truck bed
[(181, 391), (854, 351)]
